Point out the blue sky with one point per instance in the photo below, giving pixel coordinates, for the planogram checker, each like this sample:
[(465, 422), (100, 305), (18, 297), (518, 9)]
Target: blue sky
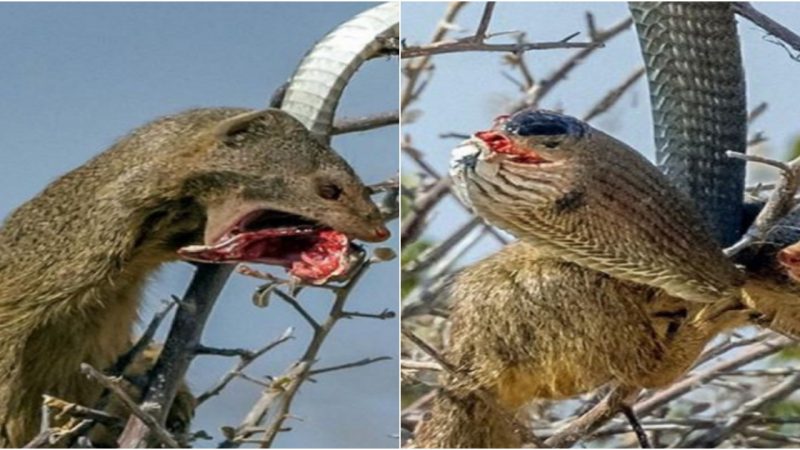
[(468, 90), (75, 77)]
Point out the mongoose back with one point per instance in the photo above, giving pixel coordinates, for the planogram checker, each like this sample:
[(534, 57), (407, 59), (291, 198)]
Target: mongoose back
[(218, 185)]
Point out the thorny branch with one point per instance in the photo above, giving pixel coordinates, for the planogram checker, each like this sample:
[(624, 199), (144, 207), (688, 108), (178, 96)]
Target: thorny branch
[(276, 400), (477, 42)]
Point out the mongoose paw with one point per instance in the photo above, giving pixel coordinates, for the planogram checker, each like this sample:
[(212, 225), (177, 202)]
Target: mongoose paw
[(181, 414)]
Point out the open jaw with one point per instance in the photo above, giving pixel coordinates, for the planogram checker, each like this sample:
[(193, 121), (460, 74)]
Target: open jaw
[(308, 250), (500, 144)]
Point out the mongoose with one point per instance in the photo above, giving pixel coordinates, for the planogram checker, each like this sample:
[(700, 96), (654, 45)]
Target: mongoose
[(616, 279), (217, 185)]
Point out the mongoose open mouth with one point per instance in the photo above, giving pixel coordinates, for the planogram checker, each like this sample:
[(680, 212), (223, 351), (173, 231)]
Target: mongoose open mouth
[(310, 251), (500, 144)]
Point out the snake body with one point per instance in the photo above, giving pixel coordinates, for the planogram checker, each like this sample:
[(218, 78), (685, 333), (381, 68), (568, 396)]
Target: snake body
[(318, 82), (697, 88)]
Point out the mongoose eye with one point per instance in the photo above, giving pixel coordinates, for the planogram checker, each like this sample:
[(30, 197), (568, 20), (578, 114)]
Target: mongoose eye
[(329, 191), (543, 123)]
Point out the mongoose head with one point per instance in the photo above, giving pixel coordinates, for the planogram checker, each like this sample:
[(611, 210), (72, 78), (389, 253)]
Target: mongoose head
[(536, 158), (274, 194)]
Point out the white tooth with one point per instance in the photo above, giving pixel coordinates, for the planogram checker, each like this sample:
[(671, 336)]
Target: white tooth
[(229, 240), (195, 248)]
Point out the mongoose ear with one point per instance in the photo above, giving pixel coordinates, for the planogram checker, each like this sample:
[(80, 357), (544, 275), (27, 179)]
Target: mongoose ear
[(235, 124), (281, 119)]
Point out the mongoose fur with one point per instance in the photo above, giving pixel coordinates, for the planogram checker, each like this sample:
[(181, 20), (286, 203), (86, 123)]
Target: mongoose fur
[(74, 259)]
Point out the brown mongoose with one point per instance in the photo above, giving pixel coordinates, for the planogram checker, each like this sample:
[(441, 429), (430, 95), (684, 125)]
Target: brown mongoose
[(616, 280), (223, 184)]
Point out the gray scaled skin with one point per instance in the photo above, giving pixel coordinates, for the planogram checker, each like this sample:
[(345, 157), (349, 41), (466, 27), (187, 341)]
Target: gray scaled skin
[(697, 91)]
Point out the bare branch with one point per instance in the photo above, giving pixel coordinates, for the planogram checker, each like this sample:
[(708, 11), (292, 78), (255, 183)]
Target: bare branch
[(469, 45), (715, 436), (414, 69), (359, 363), (488, 400), (352, 125), (245, 359), (611, 98), (184, 336), (483, 26), (159, 432), (746, 10), (541, 89)]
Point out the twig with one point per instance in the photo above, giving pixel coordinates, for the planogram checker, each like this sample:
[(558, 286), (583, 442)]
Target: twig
[(746, 10), (299, 308), (414, 69), (352, 125), (715, 436), (614, 95), (483, 26), (359, 363), (159, 432), (541, 89), (636, 426), (431, 255), (77, 411), (756, 112), (383, 315), (525, 434), (780, 201), (593, 419), (419, 365), (282, 390), (469, 45), (144, 340), (419, 159), (52, 437), (245, 359), (685, 385), (423, 204)]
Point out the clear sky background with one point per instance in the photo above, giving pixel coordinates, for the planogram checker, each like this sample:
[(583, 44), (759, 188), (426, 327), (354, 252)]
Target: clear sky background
[(75, 77), (468, 89)]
